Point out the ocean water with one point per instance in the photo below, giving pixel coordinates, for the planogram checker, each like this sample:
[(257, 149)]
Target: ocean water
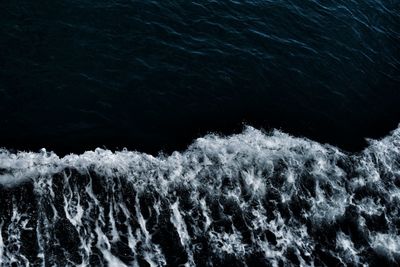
[(154, 75), (200, 133), (251, 199)]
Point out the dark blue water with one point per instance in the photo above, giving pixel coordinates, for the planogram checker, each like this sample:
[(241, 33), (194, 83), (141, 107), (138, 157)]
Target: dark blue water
[(154, 75), (151, 76)]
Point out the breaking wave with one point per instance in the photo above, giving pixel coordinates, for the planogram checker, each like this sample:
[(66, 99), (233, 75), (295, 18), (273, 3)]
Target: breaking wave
[(251, 199)]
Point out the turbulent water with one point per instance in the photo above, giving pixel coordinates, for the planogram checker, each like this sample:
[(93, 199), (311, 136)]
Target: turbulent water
[(251, 199)]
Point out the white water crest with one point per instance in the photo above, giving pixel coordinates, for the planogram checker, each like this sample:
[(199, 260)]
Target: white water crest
[(250, 199)]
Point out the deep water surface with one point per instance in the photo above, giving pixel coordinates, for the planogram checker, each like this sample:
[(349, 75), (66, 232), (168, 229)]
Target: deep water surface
[(154, 75)]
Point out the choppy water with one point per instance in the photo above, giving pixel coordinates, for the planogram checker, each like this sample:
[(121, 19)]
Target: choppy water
[(251, 199)]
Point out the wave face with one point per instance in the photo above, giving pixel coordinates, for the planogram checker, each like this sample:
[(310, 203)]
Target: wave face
[(251, 199)]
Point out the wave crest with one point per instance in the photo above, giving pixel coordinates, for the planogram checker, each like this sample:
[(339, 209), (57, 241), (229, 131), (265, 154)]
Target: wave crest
[(251, 198)]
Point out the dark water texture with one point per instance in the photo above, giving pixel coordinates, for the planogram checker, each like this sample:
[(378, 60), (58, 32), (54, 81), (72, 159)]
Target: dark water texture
[(153, 75)]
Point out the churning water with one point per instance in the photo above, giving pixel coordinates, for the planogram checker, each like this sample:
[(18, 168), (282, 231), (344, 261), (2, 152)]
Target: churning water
[(251, 199)]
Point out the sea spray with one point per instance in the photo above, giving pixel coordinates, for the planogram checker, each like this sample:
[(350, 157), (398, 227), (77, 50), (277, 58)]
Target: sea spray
[(251, 199)]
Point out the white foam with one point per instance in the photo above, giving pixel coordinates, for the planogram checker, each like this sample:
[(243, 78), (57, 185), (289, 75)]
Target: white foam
[(234, 174)]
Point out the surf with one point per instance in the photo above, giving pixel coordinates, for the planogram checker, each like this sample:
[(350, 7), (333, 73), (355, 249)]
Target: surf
[(250, 199)]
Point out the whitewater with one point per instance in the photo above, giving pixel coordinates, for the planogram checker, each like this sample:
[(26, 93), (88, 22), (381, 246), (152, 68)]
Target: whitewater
[(250, 199)]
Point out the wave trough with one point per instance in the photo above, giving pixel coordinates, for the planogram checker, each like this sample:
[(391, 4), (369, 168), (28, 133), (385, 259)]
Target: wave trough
[(251, 199)]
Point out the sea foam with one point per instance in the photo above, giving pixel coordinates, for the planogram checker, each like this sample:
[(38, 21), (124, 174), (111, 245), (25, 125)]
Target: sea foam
[(255, 199)]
